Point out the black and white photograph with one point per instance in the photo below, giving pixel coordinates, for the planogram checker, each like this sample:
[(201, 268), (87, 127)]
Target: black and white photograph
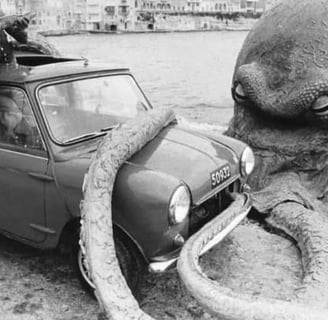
[(163, 159)]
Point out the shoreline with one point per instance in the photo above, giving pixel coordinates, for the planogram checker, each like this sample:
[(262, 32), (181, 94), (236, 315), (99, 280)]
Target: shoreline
[(62, 33), (161, 22)]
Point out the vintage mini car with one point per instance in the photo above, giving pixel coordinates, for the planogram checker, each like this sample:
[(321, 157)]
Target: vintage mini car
[(53, 113)]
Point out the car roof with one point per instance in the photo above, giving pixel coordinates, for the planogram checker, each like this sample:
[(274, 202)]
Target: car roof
[(36, 67)]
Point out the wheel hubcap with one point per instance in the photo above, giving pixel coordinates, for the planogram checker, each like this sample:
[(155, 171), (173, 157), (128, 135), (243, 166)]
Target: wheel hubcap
[(83, 269)]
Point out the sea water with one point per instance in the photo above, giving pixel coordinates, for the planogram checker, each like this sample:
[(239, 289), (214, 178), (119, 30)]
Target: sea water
[(189, 71)]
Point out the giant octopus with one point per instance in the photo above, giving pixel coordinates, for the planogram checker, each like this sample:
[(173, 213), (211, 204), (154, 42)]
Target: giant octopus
[(280, 88)]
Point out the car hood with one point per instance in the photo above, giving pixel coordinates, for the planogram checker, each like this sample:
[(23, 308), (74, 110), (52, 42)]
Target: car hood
[(190, 157), (176, 152)]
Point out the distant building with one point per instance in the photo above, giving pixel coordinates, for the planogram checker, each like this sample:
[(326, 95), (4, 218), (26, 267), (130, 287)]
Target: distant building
[(112, 15), (252, 5), (93, 14), (183, 5), (50, 15), (220, 6), (20, 6), (8, 6), (193, 5), (223, 6), (148, 5), (79, 13), (233, 6), (119, 14)]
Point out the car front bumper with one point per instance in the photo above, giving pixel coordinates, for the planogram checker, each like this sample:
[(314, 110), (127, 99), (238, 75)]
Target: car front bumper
[(227, 224)]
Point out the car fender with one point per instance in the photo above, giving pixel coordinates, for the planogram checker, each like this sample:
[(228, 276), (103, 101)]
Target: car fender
[(141, 200)]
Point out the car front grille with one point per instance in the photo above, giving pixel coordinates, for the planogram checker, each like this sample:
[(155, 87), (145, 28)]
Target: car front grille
[(205, 212)]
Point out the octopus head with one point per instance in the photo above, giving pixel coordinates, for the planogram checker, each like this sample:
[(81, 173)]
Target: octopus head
[(282, 67), (280, 88)]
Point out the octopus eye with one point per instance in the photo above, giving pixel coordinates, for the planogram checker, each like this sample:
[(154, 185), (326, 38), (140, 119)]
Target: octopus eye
[(238, 93), (320, 106)]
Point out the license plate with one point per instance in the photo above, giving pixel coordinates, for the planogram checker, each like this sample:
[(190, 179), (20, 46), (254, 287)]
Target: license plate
[(220, 175)]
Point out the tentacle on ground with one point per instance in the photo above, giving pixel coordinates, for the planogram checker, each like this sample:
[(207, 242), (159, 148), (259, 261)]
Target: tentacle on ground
[(112, 292), (309, 229), (294, 213), (292, 209)]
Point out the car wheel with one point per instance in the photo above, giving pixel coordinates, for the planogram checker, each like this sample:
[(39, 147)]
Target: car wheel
[(129, 260)]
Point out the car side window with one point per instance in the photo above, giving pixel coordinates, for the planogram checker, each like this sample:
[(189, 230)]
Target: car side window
[(17, 122)]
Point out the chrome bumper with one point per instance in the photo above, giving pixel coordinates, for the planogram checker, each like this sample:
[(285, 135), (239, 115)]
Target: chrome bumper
[(161, 266)]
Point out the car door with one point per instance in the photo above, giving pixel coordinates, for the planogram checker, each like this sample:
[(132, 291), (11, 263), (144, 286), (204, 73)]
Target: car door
[(23, 167)]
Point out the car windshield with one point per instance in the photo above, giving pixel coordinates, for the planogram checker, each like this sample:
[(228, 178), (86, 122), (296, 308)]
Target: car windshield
[(84, 108)]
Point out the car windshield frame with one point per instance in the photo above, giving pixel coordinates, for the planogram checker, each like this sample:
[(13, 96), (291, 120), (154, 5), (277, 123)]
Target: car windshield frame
[(145, 104)]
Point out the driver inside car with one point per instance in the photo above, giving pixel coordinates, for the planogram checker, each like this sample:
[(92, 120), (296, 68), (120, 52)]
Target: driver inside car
[(15, 127), (10, 117)]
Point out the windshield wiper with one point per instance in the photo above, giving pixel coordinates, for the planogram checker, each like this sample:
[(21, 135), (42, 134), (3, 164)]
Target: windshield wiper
[(84, 136), (110, 128), (92, 134)]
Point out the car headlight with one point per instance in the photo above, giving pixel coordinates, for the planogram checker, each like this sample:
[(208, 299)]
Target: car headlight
[(247, 162), (179, 205)]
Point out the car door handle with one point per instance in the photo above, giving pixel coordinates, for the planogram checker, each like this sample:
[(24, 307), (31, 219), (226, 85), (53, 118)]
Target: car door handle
[(41, 176)]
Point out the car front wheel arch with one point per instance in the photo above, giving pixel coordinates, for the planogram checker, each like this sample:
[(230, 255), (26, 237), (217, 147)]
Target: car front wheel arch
[(130, 260)]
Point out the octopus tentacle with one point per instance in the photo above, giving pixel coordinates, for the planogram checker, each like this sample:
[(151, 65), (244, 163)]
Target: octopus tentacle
[(112, 292), (293, 210), (309, 229), (282, 69), (306, 226), (290, 209)]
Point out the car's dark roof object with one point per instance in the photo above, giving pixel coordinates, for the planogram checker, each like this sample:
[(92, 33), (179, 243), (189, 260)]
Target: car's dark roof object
[(31, 68)]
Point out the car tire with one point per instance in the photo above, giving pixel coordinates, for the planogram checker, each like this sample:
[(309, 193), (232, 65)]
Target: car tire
[(129, 260)]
